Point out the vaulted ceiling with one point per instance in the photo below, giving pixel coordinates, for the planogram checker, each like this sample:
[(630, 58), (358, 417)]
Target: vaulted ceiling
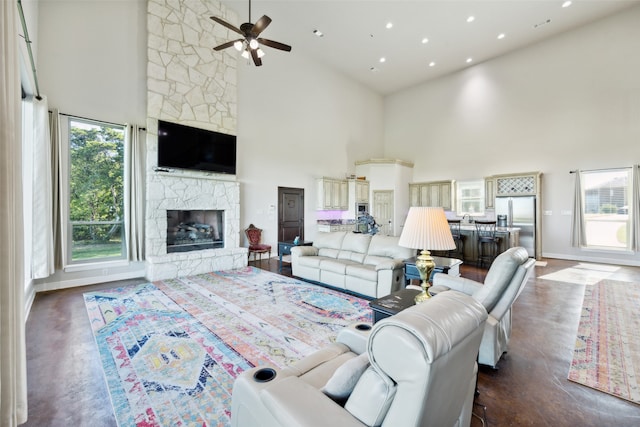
[(392, 45)]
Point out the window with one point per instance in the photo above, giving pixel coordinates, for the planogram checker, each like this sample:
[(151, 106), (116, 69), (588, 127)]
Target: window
[(95, 225), (606, 199), (470, 196)]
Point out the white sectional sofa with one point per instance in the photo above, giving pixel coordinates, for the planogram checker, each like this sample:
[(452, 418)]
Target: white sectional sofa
[(367, 265)]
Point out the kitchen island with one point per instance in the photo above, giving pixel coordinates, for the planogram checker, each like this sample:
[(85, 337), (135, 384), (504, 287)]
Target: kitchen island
[(509, 237)]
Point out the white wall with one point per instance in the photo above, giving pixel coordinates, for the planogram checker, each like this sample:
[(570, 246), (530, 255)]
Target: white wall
[(92, 58), (298, 120), (572, 102)]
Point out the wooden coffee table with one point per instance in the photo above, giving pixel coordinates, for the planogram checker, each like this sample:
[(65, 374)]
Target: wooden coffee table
[(393, 303)]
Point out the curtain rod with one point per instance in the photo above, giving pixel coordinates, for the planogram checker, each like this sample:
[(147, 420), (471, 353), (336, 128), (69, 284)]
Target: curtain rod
[(601, 169), (99, 121), (28, 42)]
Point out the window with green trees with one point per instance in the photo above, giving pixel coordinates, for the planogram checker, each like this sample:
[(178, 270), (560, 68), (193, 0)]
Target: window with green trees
[(96, 191)]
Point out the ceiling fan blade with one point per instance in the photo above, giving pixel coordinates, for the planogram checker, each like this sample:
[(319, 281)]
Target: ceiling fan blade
[(275, 45), (226, 24), (227, 44), (256, 60), (260, 25)]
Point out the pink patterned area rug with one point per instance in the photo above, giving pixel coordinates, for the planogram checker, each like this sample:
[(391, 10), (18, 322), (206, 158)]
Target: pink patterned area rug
[(171, 349), (607, 350)]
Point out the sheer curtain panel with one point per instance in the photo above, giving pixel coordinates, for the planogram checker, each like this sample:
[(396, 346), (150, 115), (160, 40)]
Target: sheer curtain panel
[(134, 191), (42, 256), (13, 373)]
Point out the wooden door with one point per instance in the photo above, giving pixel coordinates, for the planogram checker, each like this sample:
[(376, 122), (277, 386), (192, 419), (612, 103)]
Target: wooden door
[(290, 214), (383, 211)]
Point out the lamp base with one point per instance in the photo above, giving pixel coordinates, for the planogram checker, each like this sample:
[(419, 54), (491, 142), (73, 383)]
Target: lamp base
[(425, 266)]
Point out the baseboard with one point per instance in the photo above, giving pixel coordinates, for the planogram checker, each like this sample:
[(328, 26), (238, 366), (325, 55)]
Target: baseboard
[(594, 259), (85, 281)]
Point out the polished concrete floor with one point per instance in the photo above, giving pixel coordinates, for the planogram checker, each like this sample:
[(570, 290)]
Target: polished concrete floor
[(529, 388)]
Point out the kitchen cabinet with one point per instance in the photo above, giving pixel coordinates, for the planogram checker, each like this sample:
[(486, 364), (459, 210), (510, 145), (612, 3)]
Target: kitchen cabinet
[(527, 184), (435, 194), (362, 191), (489, 193), (330, 228), (333, 194)]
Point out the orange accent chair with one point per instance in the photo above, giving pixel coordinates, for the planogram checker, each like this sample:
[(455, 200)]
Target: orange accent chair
[(254, 235)]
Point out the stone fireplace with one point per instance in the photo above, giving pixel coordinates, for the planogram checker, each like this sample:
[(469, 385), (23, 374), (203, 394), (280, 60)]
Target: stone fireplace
[(190, 84), (205, 197)]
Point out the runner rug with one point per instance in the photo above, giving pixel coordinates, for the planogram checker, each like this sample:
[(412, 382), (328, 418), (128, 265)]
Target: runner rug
[(607, 349), (172, 349)]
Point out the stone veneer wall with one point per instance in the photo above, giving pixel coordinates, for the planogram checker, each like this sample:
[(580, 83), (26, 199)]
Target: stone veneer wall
[(189, 83)]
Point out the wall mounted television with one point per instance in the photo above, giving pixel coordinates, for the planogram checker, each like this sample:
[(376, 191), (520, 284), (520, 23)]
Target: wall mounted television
[(186, 147)]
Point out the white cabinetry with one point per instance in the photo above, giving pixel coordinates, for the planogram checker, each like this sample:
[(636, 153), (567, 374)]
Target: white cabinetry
[(435, 194), (489, 193), (527, 184), (362, 191), (333, 194)]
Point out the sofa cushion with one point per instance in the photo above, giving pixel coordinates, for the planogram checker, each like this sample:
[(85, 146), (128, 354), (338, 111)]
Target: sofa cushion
[(336, 266), (363, 271), (385, 247), (354, 247), (333, 240), (500, 276), (312, 261)]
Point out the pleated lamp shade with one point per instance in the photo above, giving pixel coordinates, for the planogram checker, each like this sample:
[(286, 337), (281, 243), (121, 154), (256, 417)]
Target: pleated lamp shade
[(427, 229)]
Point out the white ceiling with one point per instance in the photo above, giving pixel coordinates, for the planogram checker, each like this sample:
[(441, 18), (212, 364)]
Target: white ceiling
[(355, 37)]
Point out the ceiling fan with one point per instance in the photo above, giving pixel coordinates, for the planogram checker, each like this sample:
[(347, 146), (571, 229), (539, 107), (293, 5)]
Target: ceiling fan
[(249, 45)]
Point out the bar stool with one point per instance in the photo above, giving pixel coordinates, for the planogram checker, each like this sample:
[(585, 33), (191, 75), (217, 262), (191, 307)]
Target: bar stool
[(458, 238), (487, 242)]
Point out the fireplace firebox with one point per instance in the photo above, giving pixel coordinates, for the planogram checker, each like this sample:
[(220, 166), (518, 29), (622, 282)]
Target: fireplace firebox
[(194, 230)]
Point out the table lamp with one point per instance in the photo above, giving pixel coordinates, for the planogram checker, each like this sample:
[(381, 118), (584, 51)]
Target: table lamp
[(426, 229)]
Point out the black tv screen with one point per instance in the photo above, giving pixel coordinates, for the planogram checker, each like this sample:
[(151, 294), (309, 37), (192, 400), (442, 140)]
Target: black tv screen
[(186, 147)]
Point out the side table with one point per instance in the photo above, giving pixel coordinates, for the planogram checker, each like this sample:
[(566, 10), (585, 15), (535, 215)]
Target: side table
[(443, 265), (393, 303), (284, 248)]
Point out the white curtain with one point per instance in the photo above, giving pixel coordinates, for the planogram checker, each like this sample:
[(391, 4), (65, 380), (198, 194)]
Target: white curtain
[(134, 191), (13, 373), (635, 209), (578, 234), (42, 255)]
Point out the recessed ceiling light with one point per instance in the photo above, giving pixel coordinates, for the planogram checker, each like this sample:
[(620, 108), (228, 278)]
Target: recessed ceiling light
[(389, 25), (567, 3), (383, 59), (318, 33), (469, 60), (471, 19), (425, 40), (500, 36), (432, 64)]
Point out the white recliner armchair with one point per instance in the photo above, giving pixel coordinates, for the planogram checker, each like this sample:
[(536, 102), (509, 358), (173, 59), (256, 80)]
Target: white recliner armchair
[(417, 368), (505, 280)]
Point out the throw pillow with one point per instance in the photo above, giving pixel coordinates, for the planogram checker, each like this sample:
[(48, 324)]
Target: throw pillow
[(344, 379)]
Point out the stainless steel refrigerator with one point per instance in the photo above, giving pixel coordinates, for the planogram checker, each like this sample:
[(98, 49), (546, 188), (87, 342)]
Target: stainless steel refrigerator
[(521, 213)]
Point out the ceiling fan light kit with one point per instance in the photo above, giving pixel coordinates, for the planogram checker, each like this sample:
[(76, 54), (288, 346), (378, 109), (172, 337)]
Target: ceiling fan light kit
[(250, 44)]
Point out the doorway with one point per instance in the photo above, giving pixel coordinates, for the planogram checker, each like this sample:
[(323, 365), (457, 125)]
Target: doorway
[(290, 214), (383, 211)]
